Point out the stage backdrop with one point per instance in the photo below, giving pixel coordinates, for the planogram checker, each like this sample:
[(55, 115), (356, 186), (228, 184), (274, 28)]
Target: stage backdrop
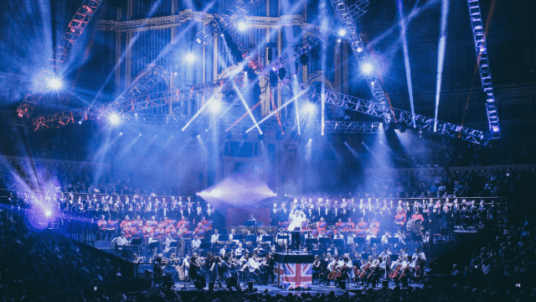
[(237, 216)]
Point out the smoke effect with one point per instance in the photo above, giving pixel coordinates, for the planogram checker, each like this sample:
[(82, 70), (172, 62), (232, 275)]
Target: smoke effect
[(237, 190)]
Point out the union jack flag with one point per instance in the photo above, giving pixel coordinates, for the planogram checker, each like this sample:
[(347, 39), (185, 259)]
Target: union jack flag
[(294, 275), (279, 271)]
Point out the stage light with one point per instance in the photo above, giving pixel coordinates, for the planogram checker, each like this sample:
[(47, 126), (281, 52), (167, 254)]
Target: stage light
[(309, 108), (114, 119), (120, 133), (80, 122), (359, 49), (198, 40), (55, 83), (310, 140), (342, 32), (366, 68), (198, 136), (175, 74), (140, 134), (48, 213), (222, 35), (190, 57), (495, 129), (241, 26), (214, 106), (339, 40)]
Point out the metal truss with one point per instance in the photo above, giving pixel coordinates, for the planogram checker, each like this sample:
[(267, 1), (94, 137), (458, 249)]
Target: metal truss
[(425, 123), (348, 15), (74, 30), (483, 67), (271, 125)]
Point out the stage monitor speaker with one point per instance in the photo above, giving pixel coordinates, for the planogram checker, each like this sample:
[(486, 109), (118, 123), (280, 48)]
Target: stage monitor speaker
[(250, 286)]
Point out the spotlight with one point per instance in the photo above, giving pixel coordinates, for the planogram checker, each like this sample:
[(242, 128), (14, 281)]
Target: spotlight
[(309, 108), (214, 106), (198, 136), (80, 122), (359, 49), (222, 35), (495, 129), (114, 119), (342, 32), (190, 57), (175, 74), (120, 133), (241, 26), (140, 134), (135, 114), (48, 213), (198, 40), (366, 68), (339, 40), (55, 83), (310, 140)]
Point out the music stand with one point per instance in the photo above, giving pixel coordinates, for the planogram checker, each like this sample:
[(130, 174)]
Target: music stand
[(266, 238), (205, 246), (338, 242), (324, 240), (252, 238), (296, 234), (376, 240)]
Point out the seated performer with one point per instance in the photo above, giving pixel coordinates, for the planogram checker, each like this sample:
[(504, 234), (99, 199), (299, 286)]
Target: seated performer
[(350, 226), (400, 217)]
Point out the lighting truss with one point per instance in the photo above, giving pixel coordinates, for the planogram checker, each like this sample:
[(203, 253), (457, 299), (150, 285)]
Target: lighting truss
[(74, 30), (425, 123), (270, 125), (348, 15), (483, 67), (309, 42)]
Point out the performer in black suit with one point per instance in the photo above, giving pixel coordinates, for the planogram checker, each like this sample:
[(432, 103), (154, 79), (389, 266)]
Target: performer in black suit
[(197, 274)]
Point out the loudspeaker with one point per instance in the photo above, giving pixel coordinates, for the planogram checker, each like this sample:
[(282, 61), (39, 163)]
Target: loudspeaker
[(250, 286)]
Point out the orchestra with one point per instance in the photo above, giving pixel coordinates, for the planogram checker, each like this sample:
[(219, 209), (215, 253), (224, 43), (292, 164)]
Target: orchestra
[(373, 247)]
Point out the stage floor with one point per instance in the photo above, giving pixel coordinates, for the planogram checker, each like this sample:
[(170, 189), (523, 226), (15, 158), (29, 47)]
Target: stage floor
[(316, 288)]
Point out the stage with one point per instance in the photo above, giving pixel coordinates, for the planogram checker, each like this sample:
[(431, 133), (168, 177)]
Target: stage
[(319, 288)]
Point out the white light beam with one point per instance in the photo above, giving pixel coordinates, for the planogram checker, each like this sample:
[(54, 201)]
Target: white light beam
[(441, 56)]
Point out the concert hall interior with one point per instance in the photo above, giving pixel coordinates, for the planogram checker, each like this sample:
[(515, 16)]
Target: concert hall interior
[(267, 150)]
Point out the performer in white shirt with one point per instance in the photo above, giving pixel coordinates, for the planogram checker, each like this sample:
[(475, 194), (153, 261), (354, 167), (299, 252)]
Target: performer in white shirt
[(385, 238), (215, 237), (196, 243), (121, 240), (296, 220)]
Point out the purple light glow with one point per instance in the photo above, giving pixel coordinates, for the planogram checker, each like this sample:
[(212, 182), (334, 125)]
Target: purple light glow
[(240, 190)]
